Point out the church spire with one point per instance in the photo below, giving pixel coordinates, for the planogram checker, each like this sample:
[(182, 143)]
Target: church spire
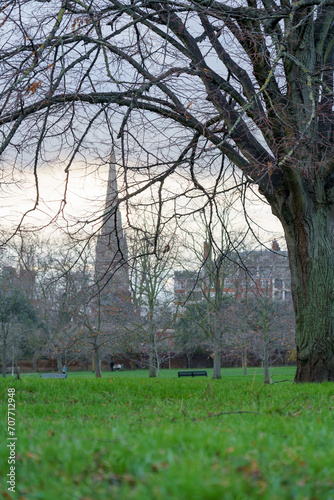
[(111, 269), (112, 236), (112, 228), (112, 189)]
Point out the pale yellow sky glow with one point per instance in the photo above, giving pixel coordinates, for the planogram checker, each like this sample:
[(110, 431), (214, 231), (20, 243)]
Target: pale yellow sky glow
[(85, 197)]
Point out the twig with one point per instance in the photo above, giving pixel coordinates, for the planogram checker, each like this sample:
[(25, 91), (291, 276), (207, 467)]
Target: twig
[(285, 380), (290, 402), (226, 413)]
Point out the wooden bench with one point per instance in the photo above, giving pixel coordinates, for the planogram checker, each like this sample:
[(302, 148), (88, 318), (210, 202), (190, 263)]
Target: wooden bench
[(54, 375), (197, 373)]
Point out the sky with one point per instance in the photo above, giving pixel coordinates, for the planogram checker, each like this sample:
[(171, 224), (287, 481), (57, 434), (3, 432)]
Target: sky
[(86, 196), (86, 193)]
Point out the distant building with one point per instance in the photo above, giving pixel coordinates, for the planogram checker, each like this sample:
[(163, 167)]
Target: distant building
[(268, 271), (112, 285), (264, 272), (22, 279)]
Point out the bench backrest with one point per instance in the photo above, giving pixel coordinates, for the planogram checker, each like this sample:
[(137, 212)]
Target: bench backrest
[(185, 374), (193, 373), (54, 375)]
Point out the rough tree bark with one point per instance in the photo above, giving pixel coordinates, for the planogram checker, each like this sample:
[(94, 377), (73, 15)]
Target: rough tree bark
[(308, 223)]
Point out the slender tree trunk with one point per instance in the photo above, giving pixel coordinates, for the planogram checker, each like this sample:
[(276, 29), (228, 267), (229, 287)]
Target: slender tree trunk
[(152, 345), (266, 364), (59, 364), (97, 362), (13, 360), (244, 363), (310, 239), (96, 342), (17, 369), (152, 369), (216, 363), (4, 358)]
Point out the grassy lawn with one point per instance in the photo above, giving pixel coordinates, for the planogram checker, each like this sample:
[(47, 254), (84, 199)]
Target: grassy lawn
[(125, 436)]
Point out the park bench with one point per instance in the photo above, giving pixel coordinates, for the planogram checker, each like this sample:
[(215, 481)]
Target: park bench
[(196, 373), (54, 375)]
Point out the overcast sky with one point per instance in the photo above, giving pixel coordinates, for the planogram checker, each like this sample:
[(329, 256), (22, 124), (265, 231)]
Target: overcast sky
[(86, 197)]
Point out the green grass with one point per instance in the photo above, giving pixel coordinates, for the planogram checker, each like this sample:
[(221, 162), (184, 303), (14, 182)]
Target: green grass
[(278, 372), (125, 436)]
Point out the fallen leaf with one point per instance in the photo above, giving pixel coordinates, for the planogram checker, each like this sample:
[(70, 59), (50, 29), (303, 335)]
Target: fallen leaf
[(252, 469), (230, 449)]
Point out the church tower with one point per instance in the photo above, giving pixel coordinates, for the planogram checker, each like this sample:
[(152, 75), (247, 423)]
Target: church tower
[(111, 260)]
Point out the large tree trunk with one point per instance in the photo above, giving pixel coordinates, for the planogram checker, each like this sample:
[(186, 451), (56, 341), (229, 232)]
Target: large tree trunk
[(309, 230)]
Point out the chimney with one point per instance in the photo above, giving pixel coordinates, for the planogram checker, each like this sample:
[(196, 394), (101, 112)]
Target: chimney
[(275, 246), (207, 250)]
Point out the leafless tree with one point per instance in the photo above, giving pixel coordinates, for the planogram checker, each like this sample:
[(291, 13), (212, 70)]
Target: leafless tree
[(271, 325), (205, 97), (151, 270), (217, 246)]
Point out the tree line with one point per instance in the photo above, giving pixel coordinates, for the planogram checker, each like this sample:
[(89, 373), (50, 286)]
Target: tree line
[(49, 308)]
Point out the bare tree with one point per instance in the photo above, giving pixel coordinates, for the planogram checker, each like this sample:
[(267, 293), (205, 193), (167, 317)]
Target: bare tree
[(21, 328), (218, 257), (103, 326), (15, 312), (151, 268), (240, 339), (60, 293), (188, 85), (271, 324), (189, 331)]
